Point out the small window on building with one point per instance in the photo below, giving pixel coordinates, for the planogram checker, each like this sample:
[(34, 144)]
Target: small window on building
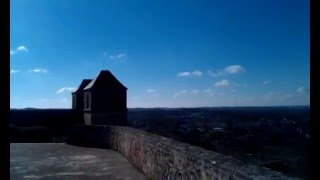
[(88, 101), (85, 101)]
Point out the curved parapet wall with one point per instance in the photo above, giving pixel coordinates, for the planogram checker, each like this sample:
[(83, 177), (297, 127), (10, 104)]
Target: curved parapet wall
[(163, 158), (45, 117), (41, 125)]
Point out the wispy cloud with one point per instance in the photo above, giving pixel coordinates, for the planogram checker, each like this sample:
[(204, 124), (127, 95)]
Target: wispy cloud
[(118, 56), (222, 83), (184, 74), (122, 55), (214, 74), (21, 48), (301, 90), (66, 89), (180, 93), (195, 91), (209, 91), (14, 71), (234, 69), (266, 82), (38, 70), (186, 92), (153, 92), (195, 73), (288, 95), (150, 90)]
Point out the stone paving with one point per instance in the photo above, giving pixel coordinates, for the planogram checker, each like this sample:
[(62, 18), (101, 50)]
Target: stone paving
[(62, 161)]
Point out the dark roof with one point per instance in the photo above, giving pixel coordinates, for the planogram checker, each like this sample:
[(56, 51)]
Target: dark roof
[(105, 79), (83, 84)]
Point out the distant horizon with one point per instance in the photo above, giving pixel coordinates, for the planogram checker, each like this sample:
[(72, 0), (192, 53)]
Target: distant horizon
[(184, 107), (167, 53)]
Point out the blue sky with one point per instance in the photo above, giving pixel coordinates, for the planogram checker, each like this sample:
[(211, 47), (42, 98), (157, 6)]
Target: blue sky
[(168, 53)]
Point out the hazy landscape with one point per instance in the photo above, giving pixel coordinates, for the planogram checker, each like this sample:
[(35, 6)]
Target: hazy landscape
[(274, 137)]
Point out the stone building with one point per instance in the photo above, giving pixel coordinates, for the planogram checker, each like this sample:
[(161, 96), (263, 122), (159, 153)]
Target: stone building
[(77, 96), (104, 100)]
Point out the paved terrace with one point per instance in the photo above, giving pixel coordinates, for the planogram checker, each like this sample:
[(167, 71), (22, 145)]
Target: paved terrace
[(61, 161)]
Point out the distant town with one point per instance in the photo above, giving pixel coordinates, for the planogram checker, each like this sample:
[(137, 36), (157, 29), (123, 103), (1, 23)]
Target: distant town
[(273, 137)]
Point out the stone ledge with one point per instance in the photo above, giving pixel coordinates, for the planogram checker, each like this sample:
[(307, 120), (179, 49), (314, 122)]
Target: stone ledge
[(159, 157)]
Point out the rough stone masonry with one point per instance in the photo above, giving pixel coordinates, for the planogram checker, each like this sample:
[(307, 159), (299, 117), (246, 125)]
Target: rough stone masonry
[(163, 158)]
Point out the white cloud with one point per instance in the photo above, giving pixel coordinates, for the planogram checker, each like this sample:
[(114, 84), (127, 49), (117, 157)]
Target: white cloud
[(187, 74), (222, 83), (150, 90), (38, 70), (22, 49), (153, 93), (195, 91), (182, 92), (13, 71), (209, 91), (185, 92), (234, 69), (119, 56), (212, 74), (289, 95), (66, 89), (266, 82), (301, 90), (184, 74), (197, 73)]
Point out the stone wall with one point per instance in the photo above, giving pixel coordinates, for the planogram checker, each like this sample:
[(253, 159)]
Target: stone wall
[(107, 118), (45, 117), (42, 125), (163, 158)]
